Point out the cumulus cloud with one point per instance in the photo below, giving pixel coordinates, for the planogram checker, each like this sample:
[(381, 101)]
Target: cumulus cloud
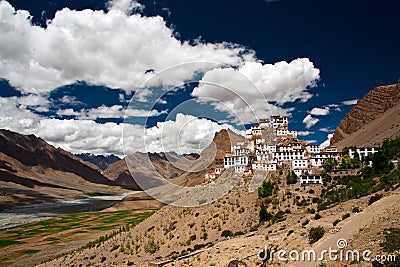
[(111, 48), (107, 112), (185, 134), (320, 111), (327, 142), (350, 102), (310, 121), (245, 90), (122, 49), (326, 129), (126, 6), (304, 133)]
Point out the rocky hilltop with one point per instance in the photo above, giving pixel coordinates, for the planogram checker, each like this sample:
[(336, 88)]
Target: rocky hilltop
[(375, 104), (99, 160)]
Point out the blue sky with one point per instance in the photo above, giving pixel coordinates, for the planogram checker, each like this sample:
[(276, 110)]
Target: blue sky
[(69, 69)]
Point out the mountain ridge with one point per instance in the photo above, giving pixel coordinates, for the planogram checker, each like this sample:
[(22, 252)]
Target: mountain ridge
[(33, 171), (371, 120)]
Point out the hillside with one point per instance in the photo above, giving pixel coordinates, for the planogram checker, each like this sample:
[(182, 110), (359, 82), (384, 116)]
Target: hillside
[(33, 171), (174, 232), (372, 119), (170, 166)]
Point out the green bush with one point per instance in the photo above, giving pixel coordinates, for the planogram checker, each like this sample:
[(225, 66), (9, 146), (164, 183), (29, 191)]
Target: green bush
[(264, 215), (374, 198), (265, 190), (345, 216), (226, 233), (291, 178), (311, 210), (356, 210), (315, 234)]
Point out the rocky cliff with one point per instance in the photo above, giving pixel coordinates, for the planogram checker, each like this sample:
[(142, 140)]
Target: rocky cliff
[(373, 105)]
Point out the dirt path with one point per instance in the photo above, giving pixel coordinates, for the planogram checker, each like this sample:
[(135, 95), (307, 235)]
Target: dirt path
[(353, 225)]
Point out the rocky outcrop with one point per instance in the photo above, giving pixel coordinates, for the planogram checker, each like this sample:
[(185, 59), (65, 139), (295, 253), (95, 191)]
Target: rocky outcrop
[(375, 103)]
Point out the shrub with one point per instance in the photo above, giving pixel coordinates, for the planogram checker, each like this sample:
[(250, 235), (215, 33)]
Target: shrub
[(264, 215), (151, 247), (345, 216), (374, 198), (291, 178), (226, 233), (356, 210), (317, 216), (315, 234), (336, 222), (238, 233), (290, 232), (305, 222), (392, 240), (265, 190), (311, 211)]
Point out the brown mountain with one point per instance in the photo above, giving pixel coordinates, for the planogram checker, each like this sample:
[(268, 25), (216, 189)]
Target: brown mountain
[(372, 119), (100, 161), (33, 171), (168, 164)]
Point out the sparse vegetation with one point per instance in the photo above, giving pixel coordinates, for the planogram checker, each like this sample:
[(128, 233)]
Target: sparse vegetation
[(392, 240)]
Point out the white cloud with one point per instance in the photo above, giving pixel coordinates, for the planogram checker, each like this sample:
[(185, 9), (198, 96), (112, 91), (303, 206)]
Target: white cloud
[(304, 133), (67, 112), (125, 6), (350, 102), (106, 112), (326, 129), (111, 48), (312, 141), (70, 100), (320, 111), (310, 121), (327, 142), (185, 134), (245, 90)]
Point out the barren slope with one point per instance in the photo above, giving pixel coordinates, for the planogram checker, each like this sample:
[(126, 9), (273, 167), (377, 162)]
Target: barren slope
[(374, 104), (33, 171), (386, 125)]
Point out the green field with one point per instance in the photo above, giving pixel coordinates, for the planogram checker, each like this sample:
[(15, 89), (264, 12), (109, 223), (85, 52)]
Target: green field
[(39, 241)]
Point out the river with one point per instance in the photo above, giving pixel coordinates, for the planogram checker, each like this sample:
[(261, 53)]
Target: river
[(20, 215)]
